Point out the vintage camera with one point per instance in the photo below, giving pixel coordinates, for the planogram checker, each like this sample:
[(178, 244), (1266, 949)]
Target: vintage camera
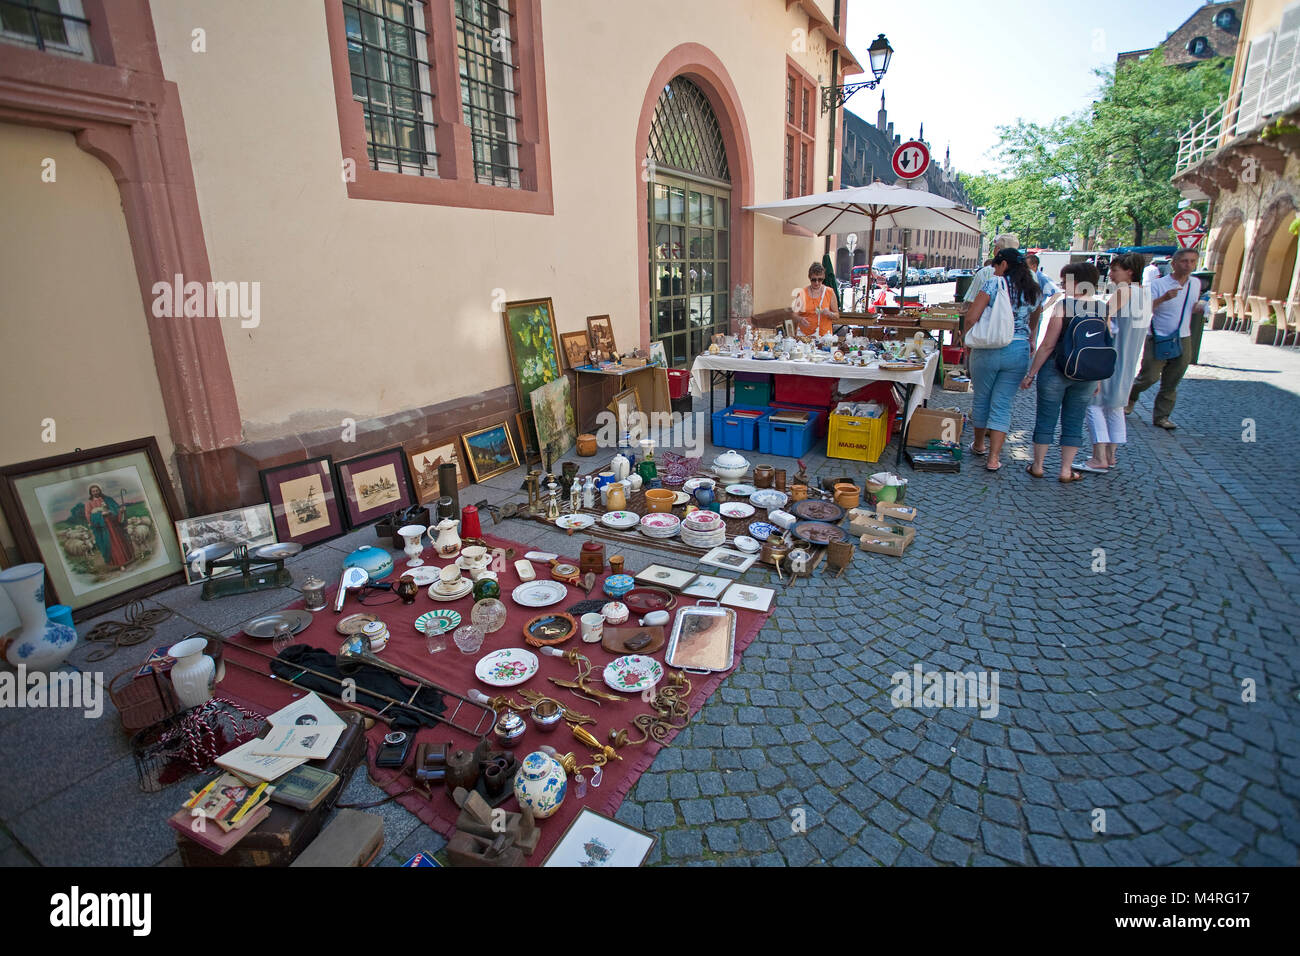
[(396, 748)]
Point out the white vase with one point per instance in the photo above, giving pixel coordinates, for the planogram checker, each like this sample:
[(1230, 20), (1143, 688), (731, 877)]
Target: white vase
[(194, 673), (39, 643)]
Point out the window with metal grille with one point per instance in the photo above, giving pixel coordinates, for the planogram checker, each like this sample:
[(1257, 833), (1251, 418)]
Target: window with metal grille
[(388, 58), (487, 89), (799, 132), (54, 26)]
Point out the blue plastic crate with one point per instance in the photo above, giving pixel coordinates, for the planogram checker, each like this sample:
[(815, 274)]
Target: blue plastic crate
[(786, 439), (738, 432)]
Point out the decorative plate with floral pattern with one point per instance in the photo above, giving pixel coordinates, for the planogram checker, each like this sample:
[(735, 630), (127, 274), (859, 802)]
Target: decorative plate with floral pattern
[(507, 667), (633, 673)]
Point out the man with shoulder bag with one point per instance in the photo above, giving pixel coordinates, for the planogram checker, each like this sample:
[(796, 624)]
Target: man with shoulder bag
[(1175, 298)]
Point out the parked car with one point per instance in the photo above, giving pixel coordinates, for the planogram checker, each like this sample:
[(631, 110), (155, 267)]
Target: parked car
[(952, 274), (858, 275)]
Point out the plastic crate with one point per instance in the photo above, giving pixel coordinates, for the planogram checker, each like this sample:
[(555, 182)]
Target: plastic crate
[(754, 393), (739, 432), (882, 392), (814, 411), (857, 439), (787, 439), (954, 355), (805, 389)]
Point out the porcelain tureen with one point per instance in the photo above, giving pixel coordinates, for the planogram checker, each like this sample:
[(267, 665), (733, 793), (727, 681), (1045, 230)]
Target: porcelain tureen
[(730, 466)]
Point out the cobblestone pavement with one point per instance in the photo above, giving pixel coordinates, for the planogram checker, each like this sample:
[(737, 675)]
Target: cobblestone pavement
[(1118, 690)]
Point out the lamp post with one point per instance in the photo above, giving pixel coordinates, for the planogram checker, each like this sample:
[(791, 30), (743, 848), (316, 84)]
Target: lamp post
[(878, 55), (980, 213)]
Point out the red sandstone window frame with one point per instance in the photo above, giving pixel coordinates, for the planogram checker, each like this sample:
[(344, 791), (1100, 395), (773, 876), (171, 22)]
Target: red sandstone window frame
[(800, 127), (455, 184)]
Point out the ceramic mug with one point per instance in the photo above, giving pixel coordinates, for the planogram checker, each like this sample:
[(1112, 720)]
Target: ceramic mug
[(798, 491), (593, 627)]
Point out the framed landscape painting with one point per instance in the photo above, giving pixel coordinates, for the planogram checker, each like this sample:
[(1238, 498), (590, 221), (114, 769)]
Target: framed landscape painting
[(553, 417), (534, 346), (100, 521), (304, 503), (373, 486), (423, 458), (490, 451)]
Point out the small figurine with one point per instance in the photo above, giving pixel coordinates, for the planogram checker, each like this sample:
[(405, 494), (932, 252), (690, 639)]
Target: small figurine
[(915, 347)]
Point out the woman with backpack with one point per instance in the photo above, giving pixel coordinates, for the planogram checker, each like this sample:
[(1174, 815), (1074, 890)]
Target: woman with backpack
[(996, 369), (1067, 376), (1129, 322)]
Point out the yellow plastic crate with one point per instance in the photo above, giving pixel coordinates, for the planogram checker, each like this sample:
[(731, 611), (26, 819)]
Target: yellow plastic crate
[(857, 439)]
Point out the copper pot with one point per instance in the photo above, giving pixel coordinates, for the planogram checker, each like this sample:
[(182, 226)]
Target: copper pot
[(763, 475), (774, 551), (847, 495), (586, 445)]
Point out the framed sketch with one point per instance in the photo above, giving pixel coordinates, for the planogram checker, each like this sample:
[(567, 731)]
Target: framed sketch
[(553, 417), (252, 526), (423, 459), (624, 404), (373, 486), (534, 346), (527, 436), (658, 354), (665, 577), (728, 559), (593, 839), (490, 451), (789, 328), (749, 597), (304, 502), (707, 586), (576, 345), (100, 521), (601, 332)]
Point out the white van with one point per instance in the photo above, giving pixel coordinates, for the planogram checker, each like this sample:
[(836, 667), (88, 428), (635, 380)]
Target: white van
[(890, 263)]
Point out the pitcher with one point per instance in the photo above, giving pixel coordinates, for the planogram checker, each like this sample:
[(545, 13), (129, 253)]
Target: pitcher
[(447, 543)]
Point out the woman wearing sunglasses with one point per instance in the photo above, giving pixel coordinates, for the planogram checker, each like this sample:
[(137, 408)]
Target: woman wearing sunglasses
[(814, 306)]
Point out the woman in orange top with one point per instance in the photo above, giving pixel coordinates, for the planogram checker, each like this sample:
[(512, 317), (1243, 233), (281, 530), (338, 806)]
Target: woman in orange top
[(815, 306)]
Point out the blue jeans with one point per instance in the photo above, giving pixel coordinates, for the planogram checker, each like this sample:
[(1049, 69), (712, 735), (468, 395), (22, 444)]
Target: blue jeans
[(995, 377), (1063, 399)]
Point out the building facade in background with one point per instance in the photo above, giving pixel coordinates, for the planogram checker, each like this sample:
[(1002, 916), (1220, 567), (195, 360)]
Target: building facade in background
[(1210, 32), (1244, 158), (387, 173), (866, 157)]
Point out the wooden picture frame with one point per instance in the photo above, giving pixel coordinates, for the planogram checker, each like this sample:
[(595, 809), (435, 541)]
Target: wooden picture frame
[(48, 501), (576, 347), (625, 403), (593, 839), (423, 456), (486, 451), (304, 500), (533, 344), (527, 436), (600, 331), (373, 486)]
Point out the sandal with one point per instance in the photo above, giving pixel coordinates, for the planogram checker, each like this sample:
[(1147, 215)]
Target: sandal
[(981, 452), (1074, 476), (1029, 470), (998, 468)]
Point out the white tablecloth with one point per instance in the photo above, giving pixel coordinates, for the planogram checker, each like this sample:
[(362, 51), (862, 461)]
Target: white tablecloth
[(923, 380)]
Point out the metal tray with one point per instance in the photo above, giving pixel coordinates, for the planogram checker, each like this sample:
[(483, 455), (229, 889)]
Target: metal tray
[(703, 639)]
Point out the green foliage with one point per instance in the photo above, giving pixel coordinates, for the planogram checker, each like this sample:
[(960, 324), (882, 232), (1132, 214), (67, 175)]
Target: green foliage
[(1107, 168)]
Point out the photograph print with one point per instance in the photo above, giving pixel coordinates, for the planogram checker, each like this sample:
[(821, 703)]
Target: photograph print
[(373, 486), (252, 526), (303, 500)]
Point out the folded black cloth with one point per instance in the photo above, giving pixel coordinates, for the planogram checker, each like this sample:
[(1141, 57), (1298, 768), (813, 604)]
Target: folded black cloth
[(370, 680)]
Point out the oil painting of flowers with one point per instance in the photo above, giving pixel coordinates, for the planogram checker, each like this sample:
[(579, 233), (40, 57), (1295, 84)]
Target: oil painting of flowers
[(534, 346)]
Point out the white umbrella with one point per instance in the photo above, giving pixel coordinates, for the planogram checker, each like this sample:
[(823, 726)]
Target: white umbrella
[(878, 206)]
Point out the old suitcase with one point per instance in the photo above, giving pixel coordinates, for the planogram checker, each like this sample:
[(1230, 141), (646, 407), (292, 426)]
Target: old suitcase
[(285, 833)]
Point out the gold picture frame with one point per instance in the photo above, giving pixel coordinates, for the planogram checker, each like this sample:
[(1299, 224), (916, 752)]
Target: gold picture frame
[(490, 451)]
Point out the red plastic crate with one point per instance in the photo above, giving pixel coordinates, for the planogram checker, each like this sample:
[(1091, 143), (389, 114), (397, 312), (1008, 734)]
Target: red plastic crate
[(954, 355), (812, 390)]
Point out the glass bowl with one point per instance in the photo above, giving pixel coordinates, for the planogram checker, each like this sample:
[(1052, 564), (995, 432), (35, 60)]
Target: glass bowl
[(469, 638), (489, 614)]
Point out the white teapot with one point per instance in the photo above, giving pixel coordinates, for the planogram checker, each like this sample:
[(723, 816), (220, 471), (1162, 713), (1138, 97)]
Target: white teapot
[(448, 541)]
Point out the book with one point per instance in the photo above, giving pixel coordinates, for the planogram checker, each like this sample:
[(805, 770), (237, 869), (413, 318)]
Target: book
[(305, 712), (213, 838), (245, 761), (304, 787), (227, 801), (312, 741)]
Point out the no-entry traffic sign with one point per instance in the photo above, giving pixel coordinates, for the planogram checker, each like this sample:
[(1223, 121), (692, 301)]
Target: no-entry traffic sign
[(911, 159), (1190, 240), (1187, 220)]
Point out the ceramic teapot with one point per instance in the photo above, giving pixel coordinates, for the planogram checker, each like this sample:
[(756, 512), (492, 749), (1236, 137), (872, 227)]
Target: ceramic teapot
[(447, 542), (621, 467)]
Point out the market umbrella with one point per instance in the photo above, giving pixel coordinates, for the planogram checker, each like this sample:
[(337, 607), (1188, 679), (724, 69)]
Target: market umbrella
[(878, 206)]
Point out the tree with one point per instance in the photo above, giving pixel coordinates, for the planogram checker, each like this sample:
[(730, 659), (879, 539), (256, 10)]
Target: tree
[(1106, 169)]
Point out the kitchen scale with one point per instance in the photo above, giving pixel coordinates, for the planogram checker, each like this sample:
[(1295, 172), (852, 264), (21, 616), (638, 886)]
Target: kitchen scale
[(259, 570)]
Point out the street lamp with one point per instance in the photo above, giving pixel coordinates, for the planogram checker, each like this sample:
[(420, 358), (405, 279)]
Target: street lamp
[(1006, 223), (879, 55)]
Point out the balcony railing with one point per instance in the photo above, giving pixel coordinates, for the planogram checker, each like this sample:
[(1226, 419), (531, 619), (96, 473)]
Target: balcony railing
[(1236, 116)]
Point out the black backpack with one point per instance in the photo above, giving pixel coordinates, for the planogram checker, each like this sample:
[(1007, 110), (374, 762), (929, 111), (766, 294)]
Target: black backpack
[(1086, 350)]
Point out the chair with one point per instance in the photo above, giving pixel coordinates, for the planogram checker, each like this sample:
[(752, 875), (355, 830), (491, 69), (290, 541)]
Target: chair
[(1234, 316), (1258, 311), (1215, 306), (1279, 319), (1293, 323)]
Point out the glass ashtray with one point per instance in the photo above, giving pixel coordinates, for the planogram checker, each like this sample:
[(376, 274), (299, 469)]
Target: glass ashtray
[(489, 614), (436, 641), (469, 638)]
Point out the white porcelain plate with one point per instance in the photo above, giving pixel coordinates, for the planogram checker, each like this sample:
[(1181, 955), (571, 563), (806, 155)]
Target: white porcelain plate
[(507, 667), (539, 593), (741, 491), (768, 498), (633, 673), (736, 509), (437, 594), (747, 544), (575, 522), (423, 576), (620, 520)]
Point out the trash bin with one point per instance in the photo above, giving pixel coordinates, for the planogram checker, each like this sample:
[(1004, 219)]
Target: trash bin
[(1198, 325), (963, 283)]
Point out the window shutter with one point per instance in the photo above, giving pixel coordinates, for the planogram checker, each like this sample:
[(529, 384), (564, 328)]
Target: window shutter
[(1282, 83), (1252, 83)]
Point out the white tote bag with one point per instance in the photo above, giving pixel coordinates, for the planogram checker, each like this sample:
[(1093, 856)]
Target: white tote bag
[(997, 326)]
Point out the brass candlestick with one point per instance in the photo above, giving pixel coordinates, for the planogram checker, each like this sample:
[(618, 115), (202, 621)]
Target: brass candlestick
[(530, 482), (672, 712), (580, 686)]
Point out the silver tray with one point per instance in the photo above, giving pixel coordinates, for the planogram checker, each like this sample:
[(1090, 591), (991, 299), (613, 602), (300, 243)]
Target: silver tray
[(264, 627), (703, 639)]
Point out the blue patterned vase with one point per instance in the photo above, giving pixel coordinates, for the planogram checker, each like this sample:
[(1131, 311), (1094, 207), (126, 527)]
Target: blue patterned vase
[(39, 643)]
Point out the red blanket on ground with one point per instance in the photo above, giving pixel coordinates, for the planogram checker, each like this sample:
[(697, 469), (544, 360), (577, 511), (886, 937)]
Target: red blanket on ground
[(454, 671)]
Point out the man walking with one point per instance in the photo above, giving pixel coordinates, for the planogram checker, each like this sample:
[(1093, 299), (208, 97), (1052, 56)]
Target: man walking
[(1174, 298)]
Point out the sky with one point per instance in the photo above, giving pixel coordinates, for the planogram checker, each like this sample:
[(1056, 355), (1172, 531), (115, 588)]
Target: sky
[(965, 67)]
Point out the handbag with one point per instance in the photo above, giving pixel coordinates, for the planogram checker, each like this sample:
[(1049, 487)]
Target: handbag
[(1168, 347), (997, 326)]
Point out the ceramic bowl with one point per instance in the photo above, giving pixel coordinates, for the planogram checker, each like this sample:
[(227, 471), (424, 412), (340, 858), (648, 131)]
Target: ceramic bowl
[(615, 612), (660, 499), (747, 544)]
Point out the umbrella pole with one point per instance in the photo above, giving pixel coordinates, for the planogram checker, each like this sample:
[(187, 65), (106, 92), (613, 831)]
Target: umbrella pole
[(871, 258)]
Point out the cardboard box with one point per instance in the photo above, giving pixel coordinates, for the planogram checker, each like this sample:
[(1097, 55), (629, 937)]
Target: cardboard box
[(886, 510), (928, 423), (891, 544), (864, 521), (950, 383)]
